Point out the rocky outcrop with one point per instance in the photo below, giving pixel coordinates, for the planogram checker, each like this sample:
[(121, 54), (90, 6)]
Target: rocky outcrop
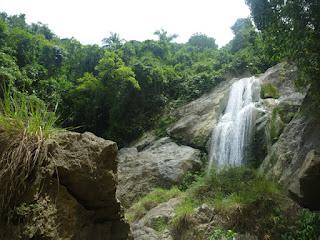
[(153, 225), (290, 142), (86, 166), (196, 119), (79, 188), (275, 113), (162, 163), (294, 161)]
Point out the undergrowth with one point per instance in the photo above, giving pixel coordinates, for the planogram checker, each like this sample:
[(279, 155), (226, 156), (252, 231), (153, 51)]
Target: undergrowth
[(243, 199), (154, 198), (244, 202), (25, 124)]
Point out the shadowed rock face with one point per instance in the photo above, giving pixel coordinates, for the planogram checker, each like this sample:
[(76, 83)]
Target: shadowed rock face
[(80, 183), (87, 169), (294, 160)]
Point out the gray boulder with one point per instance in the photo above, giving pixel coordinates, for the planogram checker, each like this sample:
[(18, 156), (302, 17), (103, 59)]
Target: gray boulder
[(162, 164), (150, 226), (294, 161)]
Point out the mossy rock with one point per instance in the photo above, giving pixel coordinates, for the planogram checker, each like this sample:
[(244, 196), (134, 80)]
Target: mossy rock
[(268, 90)]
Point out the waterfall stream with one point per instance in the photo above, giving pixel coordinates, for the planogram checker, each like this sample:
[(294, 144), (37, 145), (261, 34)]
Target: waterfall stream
[(230, 141)]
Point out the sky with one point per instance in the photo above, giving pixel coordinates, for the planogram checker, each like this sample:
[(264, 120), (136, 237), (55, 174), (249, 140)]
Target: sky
[(89, 21)]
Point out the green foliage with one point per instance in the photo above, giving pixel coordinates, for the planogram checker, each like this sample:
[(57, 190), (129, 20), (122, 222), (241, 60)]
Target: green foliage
[(307, 227), (238, 186), (220, 233), (292, 30), (268, 90), (201, 42), (159, 224), (162, 125), (118, 91), (276, 125), (187, 180), (25, 125), (21, 113), (239, 194), (183, 217), (151, 200)]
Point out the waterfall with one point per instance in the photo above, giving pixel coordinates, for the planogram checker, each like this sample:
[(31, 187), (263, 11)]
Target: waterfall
[(230, 141)]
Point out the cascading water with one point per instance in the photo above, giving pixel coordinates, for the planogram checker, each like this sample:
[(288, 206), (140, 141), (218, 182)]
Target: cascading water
[(231, 137)]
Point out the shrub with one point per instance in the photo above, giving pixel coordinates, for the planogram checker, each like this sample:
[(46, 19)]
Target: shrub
[(220, 233), (307, 227)]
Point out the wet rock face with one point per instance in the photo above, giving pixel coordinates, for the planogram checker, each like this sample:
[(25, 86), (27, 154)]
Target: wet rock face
[(162, 164)]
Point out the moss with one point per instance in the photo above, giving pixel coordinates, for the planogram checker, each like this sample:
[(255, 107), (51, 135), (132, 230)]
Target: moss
[(276, 125), (268, 90), (39, 219)]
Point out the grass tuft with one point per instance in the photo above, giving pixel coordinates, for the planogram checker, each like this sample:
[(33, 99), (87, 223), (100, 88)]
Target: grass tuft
[(25, 124), (154, 198)]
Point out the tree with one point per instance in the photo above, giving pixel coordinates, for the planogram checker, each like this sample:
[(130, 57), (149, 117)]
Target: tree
[(245, 34), (294, 26), (202, 41), (164, 37), (113, 41)]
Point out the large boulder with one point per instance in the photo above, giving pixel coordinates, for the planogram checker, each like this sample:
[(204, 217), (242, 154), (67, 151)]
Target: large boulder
[(294, 160), (75, 197), (162, 164), (86, 166), (196, 119)]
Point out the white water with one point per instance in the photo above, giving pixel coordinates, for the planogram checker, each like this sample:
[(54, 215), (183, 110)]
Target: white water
[(232, 136)]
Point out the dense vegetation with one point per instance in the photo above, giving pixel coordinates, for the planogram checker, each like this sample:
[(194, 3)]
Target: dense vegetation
[(292, 30), (118, 90), (243, 200)]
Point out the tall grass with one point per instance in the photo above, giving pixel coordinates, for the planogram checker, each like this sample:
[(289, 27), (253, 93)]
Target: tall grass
[(25, 124), (22, 113), (151, 200)]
